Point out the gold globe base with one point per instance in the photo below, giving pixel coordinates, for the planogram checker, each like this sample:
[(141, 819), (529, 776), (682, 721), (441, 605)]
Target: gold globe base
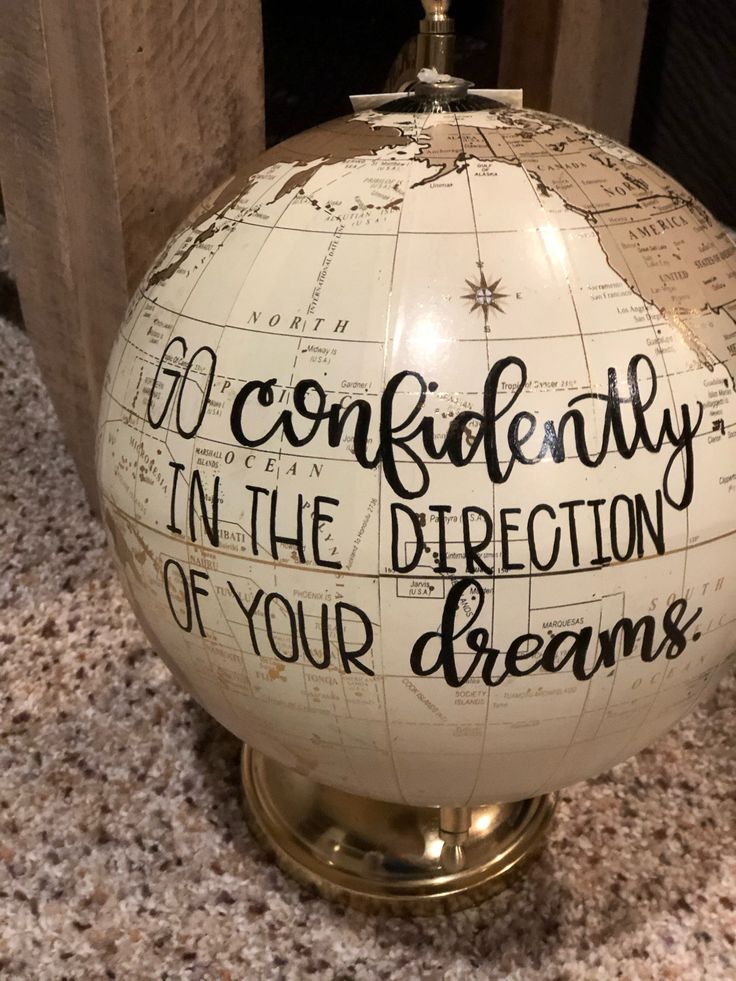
[(376, 855)]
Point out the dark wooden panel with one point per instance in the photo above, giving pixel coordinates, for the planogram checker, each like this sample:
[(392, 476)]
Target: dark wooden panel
[(577, 58), (685, 117), (529, 48), (117, 117)]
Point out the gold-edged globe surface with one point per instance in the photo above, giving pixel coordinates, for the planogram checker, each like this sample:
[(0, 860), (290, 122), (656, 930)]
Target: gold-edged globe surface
[(416, 454)]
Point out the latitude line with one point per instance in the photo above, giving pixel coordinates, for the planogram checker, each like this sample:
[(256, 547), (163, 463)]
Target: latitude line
[(408, 577)]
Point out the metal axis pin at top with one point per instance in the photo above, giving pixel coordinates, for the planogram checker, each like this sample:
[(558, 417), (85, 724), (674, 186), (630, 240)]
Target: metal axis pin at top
[(436, 40)]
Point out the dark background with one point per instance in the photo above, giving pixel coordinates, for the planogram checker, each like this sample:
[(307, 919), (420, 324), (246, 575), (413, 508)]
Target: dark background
[(685, 119), (316, 55)]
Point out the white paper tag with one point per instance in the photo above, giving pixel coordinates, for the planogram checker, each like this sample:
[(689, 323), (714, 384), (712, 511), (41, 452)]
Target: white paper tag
[(510, 97)]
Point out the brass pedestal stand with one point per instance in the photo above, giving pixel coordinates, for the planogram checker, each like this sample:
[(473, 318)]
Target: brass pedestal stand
[(377, 855)]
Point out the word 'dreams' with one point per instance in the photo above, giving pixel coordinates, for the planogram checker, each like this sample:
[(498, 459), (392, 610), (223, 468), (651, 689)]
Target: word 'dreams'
[(462, 649)]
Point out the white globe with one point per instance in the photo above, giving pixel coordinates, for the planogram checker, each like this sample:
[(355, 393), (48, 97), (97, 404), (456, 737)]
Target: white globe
[(414, 454)]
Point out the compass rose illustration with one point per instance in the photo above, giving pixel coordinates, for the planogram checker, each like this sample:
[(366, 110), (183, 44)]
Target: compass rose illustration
[(484, 296)]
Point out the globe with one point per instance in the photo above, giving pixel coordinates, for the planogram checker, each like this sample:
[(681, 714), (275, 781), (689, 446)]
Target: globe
[(414, 453)]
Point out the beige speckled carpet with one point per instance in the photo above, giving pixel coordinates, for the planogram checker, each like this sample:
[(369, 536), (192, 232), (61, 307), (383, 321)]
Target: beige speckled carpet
[(124, 855)]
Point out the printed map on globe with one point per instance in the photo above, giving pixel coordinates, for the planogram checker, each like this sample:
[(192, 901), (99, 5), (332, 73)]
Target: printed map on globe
[(416, 453)]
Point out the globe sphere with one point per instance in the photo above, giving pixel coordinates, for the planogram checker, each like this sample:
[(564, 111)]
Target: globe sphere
[(416, 455)]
